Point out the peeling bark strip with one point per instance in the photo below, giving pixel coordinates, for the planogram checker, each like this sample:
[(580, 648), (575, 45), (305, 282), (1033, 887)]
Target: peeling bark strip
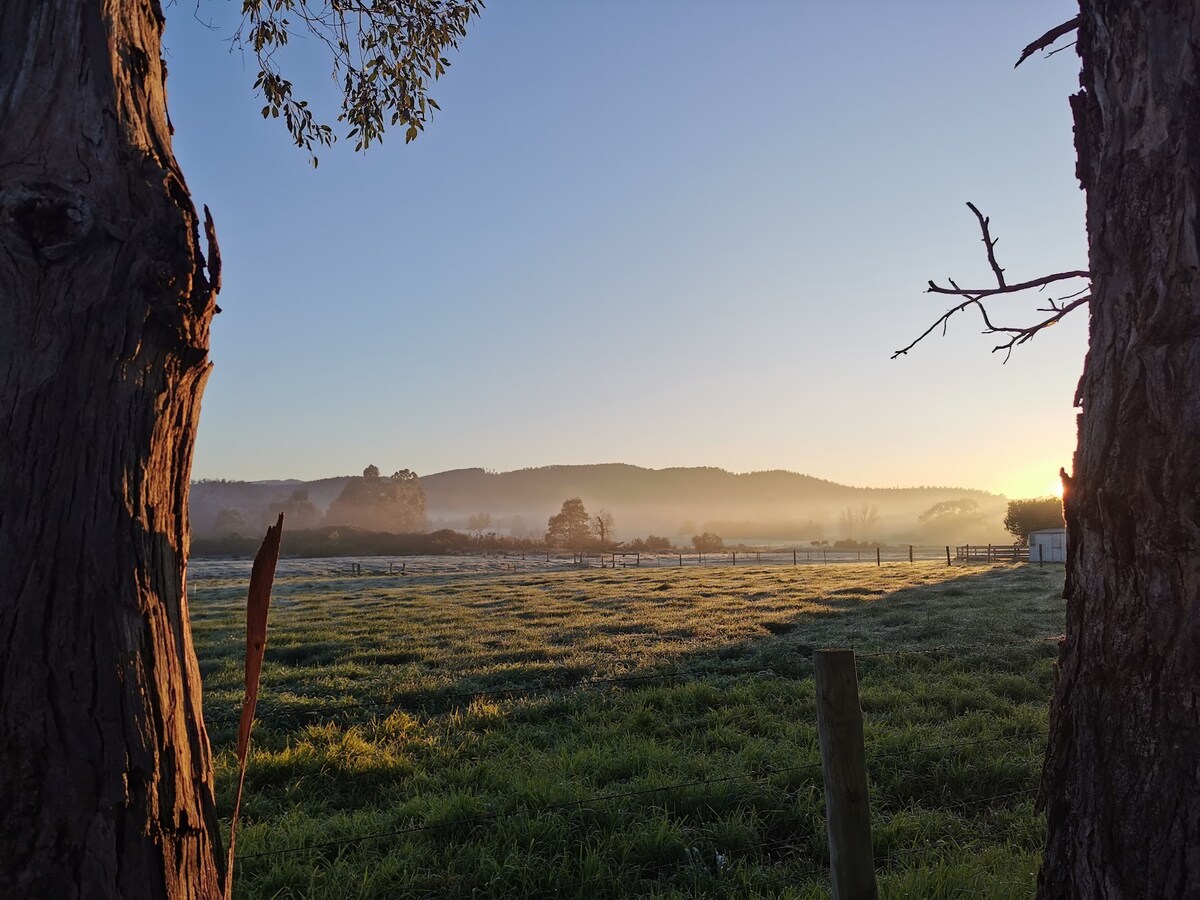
[(1122, 779), (106, 781), (1048, 39), (262, 577)]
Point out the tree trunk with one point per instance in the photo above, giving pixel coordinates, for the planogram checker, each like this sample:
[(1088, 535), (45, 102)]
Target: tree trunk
[(106, 784), (1122, 778)]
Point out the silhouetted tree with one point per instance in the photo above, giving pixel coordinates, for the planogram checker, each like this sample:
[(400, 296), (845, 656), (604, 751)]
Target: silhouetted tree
[(708, 542), (571, 527), (299, 512), (603, 526), (953, 520), (230, 521), (1025, 516), (395, 504), (857, 522), (479, 522), (1121, 785), (106, 301), (949, 509)]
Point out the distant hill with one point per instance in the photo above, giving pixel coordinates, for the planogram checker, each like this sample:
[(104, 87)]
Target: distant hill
[(752, 507)]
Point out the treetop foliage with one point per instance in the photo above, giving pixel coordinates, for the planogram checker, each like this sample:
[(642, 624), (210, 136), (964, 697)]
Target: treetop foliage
[(385, 55), (393, 504), (571, 527), (1025, 516), (949, 509)]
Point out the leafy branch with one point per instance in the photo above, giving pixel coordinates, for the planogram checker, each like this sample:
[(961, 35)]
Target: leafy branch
[(385, 55)]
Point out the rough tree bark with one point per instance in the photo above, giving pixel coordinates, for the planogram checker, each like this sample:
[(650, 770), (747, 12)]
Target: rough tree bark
[(1122, 778), (106, 786)]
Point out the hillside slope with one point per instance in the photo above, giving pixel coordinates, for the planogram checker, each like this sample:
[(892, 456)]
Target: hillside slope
[(677, 502)]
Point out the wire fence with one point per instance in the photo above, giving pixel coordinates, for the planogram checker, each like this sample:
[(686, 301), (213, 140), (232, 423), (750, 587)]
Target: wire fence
[(709, 862), (530, 562)]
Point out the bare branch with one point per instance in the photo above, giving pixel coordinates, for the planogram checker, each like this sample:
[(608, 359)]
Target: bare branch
[(943, 320), (1017, 334), (1007, 289), (1071, 296), (1021, 335), (989, 242), (1049, 38)]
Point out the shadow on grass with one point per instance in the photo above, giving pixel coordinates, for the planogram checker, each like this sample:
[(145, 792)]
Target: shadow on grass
[(997, 613)]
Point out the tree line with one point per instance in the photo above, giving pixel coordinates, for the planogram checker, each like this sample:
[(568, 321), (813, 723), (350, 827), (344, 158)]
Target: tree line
[(384, 501), (370, 502)]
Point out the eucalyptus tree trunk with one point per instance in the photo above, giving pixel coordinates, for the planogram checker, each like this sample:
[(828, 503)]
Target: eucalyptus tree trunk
[(1122, 779), (106, 785)]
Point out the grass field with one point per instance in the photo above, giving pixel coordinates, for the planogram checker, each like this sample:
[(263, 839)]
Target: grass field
[(632, 732)]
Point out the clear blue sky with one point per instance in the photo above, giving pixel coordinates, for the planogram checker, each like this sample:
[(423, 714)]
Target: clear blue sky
[(672, 232)]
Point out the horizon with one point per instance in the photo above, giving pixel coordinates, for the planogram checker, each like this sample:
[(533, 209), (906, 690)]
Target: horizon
[(488, 471)]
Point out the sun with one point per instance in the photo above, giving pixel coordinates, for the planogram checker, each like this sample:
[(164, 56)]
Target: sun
[(1055, 489)]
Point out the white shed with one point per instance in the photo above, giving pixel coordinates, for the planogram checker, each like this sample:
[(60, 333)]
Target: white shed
[(1048, 545)]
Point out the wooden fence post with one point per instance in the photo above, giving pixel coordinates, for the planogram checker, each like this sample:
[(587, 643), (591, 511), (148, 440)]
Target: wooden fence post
[(793, 557), (843, 760), (910, 554), (948, 557), (1041, 555), (877, 563)]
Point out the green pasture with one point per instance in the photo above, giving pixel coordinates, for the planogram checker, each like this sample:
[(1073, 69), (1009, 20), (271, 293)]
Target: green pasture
[(630, 732)]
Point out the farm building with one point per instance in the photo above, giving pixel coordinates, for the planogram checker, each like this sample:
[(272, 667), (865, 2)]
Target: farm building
[(1048, 545)]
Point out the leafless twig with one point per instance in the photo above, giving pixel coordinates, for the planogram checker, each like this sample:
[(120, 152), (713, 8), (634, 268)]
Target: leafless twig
[(1060, 49), (988, 241)]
